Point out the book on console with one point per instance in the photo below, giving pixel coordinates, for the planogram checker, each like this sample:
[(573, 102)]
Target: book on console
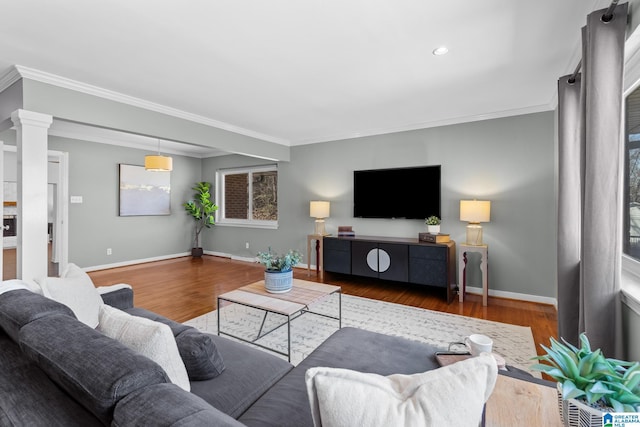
[(434, 238)]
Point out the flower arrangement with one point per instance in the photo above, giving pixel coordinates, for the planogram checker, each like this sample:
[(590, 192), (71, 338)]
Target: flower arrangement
[(432, 220), (274, 262), (587, 375)]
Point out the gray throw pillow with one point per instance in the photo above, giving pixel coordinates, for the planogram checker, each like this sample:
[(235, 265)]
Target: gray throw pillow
[(197, 350), (199, 354)]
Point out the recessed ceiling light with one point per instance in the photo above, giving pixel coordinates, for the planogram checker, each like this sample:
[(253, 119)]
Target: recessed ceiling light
[(442, 50)]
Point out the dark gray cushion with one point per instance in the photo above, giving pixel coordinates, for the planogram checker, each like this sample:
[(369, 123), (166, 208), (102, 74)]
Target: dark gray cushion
[(122, 298), (94, 369), (248, 374), (200, 355), (29, 398), (17, 308), (197, 350), (168, 405), (287, 404)]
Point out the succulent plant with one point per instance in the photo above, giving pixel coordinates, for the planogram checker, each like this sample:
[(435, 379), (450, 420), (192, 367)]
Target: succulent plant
[(432, 220), (588, 375), (274, 262)]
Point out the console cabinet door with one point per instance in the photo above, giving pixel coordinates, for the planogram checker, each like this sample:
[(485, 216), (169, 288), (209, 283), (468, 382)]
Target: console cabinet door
[(427, 265), (398, 269), (364, 258), (337, 255)]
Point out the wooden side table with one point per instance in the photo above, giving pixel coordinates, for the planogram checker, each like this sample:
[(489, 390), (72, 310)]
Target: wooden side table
[(319, 254), (483, 250), (516, 402)]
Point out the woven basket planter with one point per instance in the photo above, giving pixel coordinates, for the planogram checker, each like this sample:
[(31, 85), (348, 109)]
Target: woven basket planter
[(278, 282), (575, 413)]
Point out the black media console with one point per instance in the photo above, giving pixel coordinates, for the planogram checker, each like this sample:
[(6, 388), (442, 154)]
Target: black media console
[(397, 259)]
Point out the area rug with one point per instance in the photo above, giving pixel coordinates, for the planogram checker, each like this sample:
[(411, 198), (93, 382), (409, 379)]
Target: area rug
[(514, 343)]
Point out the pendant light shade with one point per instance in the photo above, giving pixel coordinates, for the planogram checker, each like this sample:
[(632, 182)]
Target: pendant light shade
[(158, 163)]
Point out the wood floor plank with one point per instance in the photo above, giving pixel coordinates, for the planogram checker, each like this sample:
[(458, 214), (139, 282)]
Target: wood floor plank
[(184, 288)]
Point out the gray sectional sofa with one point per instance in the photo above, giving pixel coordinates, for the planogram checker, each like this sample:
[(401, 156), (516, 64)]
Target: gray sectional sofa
[(56, 371)]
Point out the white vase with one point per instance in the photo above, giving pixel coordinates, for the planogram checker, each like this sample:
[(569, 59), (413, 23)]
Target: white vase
[(575, 413), (278, 282), (433, 229)]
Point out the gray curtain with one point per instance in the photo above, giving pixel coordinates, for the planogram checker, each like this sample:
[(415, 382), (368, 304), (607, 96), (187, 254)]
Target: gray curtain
[(589, 229)]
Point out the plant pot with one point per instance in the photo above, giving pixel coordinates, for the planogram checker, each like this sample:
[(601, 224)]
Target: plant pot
[(576, 413), (197, 252), (433, 229), (278, 282)]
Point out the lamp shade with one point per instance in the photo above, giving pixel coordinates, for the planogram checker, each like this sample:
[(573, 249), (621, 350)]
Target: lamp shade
[(158, 163), (319, 209), (475, 210)]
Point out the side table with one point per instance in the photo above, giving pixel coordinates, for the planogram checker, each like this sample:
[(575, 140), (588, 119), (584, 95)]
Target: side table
[(319, 254), (483, 250)]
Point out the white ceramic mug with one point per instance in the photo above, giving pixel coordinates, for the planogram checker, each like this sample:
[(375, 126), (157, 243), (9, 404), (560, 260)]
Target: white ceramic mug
[(478, 343)]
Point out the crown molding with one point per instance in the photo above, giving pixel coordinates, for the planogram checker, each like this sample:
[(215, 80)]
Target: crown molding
[(122, 139), (9, 77), (427, 125), (66, 83)]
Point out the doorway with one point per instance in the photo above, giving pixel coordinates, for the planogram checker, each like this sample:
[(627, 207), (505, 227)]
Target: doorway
[(57, 206)]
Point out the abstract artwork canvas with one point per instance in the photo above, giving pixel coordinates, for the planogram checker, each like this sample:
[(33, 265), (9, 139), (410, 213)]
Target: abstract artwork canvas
[(144, 192)]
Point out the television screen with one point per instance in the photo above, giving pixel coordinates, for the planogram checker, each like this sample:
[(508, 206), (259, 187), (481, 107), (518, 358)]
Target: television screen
[(411, 193)]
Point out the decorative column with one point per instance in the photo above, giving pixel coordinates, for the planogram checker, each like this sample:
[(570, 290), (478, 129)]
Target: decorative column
[(32, 145)]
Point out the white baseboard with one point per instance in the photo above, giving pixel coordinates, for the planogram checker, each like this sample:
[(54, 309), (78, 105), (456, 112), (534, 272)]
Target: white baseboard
[(230, 256), (515, 295), (137, 261)]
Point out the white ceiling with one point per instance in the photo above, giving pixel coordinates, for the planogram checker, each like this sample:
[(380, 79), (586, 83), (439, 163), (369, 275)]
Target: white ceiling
[(302, 71)]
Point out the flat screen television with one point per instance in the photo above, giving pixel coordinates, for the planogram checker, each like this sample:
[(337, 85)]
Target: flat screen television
[(410, 193)]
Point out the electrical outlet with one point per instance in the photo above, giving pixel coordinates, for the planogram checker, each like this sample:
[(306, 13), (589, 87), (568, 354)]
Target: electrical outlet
[(246, 245), (109, 251)]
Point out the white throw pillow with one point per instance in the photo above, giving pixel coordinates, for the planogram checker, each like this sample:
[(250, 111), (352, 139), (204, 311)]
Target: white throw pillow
[(450, 396), (76, 290), (147, 337)]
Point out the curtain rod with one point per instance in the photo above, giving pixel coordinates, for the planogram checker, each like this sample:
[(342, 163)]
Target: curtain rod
[(606, 17)]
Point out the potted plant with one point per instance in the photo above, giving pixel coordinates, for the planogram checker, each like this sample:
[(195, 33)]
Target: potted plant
[(433, 224), (203, 210), (278, 274), (588, 383)]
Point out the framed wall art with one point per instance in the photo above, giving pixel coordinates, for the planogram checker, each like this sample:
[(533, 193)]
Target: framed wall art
[(144, 192)]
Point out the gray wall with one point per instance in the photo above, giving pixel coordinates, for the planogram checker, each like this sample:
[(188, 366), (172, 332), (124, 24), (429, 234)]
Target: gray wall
[(80, 107), (95, 225), (509, 161), (10, 100), (630, 328)]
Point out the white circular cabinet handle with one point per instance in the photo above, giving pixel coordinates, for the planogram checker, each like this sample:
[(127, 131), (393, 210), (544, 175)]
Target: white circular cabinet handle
[(378, 260)]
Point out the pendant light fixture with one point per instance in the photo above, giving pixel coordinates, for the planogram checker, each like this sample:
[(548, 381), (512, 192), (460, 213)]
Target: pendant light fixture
[(158, 163)]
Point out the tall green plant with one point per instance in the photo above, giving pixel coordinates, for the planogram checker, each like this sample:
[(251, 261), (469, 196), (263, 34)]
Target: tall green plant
[(588, 375), (202, 209)]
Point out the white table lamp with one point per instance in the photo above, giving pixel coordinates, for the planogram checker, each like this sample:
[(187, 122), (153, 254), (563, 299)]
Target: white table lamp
[(319, 210), (475, 212)]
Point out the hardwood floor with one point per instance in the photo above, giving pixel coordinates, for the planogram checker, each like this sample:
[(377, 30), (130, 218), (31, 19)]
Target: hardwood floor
[(9, 262), (184, 288)]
